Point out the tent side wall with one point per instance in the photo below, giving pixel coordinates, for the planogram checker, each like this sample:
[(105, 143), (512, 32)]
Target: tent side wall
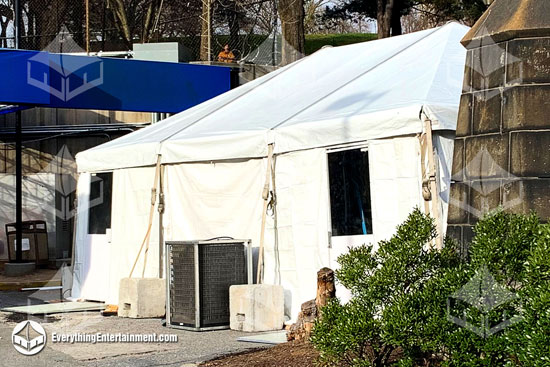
[(130, 217), (396, 179), (206, 200), (213, 199), (396, 182), (101, 260), (303, 211)]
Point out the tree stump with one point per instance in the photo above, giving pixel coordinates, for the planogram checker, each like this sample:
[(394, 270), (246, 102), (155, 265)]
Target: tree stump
[(325, 287), (310, 310)]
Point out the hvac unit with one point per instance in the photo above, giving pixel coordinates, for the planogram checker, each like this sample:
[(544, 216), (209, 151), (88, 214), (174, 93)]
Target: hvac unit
[(199, 274)]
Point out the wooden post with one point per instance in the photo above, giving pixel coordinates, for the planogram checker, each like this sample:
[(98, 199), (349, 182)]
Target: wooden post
[(325, 287), (432, 177), (311, 309)]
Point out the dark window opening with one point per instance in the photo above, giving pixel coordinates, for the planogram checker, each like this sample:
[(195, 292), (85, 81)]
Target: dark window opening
[(99, 218), (350, 205)]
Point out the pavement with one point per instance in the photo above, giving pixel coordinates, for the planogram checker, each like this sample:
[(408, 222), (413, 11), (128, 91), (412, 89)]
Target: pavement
[(190, 349)]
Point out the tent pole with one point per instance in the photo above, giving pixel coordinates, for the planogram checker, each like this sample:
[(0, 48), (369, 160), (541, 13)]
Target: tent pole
[(275, 228), (151, 212), (18, 153), (265, 197), (161, 215), (426, 194), (18, 190), (433, 182)]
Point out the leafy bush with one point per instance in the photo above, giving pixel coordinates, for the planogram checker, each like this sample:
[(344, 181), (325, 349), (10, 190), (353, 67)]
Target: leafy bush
[(529, 341), (501, 245), (389, 286), (398, 313)]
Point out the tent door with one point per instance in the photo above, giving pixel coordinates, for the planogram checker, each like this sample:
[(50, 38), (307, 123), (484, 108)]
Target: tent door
[(350, 201), (97, 238)]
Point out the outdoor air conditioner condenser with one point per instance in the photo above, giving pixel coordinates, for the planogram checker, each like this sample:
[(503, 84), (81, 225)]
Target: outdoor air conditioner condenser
[(199, 274)]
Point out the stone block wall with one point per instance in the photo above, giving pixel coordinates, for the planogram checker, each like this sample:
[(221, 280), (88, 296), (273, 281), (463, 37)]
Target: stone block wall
[(502, 146)]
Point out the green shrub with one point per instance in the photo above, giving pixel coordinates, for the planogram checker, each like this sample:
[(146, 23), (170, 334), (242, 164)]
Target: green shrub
[(502, 243), (400, 294), (529, 341), (390, 287)]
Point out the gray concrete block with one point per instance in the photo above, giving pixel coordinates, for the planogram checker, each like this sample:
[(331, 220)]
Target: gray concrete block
[(487, 112), (454, 232), (486, 156), (488, 66), (457, 173), (142, 298), (464, 122), (458, 204), (467, 84), (256, 307), (484, 196), (530, 154), (530, 62), (526, 107), (524, 196)]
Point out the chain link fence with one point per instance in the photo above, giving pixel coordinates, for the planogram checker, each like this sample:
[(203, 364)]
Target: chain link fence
[(250, 27)]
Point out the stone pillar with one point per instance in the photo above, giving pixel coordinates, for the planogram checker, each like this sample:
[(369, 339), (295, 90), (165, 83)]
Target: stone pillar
[(502, 145)]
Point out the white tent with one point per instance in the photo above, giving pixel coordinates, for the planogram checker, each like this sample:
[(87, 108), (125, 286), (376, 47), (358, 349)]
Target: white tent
[(376, 97)]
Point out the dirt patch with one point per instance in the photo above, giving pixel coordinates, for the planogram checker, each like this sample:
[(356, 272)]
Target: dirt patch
[(292, 354)]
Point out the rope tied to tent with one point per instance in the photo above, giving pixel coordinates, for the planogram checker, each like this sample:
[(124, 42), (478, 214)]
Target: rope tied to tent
[(265, 197), (147, 238)]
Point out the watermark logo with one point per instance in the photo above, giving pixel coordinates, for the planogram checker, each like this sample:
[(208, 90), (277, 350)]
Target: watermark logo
[(483, 306), (488, 64), (28, 338), (64, 76), (483, 165), (63, 165)]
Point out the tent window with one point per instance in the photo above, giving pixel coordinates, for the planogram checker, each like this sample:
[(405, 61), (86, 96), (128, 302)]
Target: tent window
[(99, 218), (350, 204)]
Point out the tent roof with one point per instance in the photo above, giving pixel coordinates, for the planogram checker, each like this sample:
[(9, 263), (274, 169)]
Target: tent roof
[(337, 95)]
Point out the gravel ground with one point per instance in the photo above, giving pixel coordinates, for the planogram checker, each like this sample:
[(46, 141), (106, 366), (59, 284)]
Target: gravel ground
[(191, 348)]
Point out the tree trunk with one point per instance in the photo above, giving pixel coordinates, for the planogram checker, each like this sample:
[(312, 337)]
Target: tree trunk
[(121, 21), (325, 287), (291, 13), (396, 29), (7, 13), (151, 17), (311, 310), (384, 12), (234, 29), (204, 30)]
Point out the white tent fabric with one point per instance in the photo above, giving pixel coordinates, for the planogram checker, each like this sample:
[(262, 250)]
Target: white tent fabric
[(337, 95), (373, 95)]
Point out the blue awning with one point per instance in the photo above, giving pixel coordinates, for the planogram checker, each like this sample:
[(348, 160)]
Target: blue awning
[(85, 82)]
